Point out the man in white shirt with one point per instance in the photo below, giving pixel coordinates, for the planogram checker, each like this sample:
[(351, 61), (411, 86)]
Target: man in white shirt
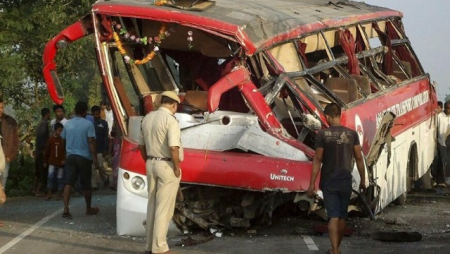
[(109, 118), (59, 112), (442, 129)]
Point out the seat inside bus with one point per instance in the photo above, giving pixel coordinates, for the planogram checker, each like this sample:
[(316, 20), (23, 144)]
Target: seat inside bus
[(364, 84), (398, 73), (345, 89)]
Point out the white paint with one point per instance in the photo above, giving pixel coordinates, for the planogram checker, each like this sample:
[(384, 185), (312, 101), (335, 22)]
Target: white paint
[(359, 129), (309, 242), (242, 131), (405, 106), (392, 179), (27, 232), (281, 178)]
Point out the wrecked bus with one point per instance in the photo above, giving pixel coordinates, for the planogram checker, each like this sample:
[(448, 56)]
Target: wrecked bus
[(254, 77)]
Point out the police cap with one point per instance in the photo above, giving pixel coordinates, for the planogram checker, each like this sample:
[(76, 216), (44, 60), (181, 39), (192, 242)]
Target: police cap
[(171, 95)]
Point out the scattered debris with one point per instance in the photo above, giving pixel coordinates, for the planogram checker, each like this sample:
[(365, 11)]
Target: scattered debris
[(251, 231), (397, 221), (189, 241), (396, 236)]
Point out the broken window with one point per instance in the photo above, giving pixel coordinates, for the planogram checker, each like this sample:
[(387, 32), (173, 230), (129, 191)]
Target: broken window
[(169, 56)]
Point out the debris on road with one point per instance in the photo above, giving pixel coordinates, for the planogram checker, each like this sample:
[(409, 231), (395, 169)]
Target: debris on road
[(396, 236)]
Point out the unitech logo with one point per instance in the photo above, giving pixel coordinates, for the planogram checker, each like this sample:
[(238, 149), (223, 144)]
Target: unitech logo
[(282, 177)]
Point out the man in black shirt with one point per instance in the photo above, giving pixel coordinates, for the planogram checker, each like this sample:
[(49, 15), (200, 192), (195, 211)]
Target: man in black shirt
[(102, 139), (336, 148), (42, 135)]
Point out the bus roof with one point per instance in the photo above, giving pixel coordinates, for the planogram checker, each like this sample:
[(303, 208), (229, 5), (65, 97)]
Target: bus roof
[(256, 23)]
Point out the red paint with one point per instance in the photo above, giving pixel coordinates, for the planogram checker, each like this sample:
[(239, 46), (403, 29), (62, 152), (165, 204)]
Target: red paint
[(167, 15), (368, 110), (242, 170), (232, 170), (70, 34)]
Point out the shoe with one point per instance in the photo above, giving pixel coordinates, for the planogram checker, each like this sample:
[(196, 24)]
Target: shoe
[(106, 183), (92, 211), (40, 194), (443, 185), (67, 216)]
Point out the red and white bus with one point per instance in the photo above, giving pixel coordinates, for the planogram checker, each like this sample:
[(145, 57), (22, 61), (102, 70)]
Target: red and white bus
[(254, 77)]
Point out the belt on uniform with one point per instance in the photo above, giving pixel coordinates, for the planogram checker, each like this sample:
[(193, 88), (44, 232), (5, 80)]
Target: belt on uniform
[(158, 158)]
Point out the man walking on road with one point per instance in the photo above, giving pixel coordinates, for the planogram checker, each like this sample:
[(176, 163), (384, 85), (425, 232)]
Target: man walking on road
[(162, 150), (10, 140), (79, 136), (336, 147)]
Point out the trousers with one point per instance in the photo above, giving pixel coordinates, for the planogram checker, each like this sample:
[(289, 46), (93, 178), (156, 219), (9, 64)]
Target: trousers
[(162, 192), (4, 175)]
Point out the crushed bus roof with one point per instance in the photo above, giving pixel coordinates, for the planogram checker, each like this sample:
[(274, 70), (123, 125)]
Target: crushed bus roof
[(259, 23)]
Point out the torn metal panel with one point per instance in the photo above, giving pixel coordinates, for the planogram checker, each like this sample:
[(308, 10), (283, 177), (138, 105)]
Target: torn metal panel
[(223, 130)]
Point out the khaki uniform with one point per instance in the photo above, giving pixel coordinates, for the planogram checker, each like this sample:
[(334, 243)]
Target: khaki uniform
[(160, 131)]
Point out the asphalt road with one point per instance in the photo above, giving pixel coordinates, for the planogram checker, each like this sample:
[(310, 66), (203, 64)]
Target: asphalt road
[(33, 225)]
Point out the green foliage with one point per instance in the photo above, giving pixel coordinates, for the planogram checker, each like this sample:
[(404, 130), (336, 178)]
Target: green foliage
[(20, 176), (447, 98), (26, 27)]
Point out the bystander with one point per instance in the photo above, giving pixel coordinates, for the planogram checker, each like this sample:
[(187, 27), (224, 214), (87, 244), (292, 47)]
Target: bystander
[(101, 142), (40, 170), (60, 113), (10, 140), (54, 157), (79, 136), (442, 129), (336, 148)]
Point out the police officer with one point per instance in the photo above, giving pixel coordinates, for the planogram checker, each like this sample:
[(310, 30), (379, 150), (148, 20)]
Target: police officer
[(161, 148)]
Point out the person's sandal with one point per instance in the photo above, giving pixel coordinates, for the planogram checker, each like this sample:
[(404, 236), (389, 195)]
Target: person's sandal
[(67, 216), (92, 211)]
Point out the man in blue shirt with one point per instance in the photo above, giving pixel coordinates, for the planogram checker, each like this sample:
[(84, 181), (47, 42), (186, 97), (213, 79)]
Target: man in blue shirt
[(79, 137)]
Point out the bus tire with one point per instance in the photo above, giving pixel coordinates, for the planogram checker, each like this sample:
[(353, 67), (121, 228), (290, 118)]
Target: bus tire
[(401, 200), (411, 172)]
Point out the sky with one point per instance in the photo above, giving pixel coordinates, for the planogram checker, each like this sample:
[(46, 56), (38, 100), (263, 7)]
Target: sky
[(429, 32)]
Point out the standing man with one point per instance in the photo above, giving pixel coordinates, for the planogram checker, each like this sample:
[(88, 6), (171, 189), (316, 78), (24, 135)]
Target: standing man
[(162, 150), (42, 135), (102, 143), (79, 136), (443, 126), (102, 110), (10, 140), (437, 162), (109, 117), (60, 113), (336, 147)]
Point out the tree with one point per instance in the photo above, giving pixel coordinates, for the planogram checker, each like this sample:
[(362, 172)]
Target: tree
[(27, 25)]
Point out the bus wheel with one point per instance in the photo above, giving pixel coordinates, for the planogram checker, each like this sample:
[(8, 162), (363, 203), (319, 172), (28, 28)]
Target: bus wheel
[(401, 200), (411, 173)]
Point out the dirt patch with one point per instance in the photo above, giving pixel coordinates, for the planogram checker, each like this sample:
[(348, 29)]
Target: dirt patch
[(426, 212)]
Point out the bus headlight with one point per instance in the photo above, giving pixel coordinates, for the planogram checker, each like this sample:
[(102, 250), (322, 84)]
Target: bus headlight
[(137, 183)]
